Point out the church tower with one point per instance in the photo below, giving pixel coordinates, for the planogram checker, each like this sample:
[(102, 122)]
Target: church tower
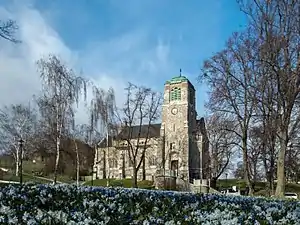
[(178, 123)]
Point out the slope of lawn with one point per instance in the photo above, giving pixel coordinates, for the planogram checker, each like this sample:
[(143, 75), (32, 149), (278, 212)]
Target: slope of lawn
[(31, 172), (127, 183), (259, 187), (10, 176)]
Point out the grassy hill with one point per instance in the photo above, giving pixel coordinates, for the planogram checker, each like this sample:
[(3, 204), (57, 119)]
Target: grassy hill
[(30, 172), (259, 187), (127, 183), (10, 176), (42, 162)]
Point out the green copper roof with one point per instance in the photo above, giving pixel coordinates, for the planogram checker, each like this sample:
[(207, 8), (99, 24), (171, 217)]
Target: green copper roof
[(177, 79)]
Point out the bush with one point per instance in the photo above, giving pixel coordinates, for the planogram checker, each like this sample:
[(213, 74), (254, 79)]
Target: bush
[(69, 204), (116, 183)]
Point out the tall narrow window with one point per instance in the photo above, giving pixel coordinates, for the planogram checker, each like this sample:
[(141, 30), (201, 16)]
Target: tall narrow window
[(152, 161), (113, 163), (175, 94), (172, 146)]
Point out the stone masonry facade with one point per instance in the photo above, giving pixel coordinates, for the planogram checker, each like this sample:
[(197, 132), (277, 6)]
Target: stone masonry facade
[(178, 147)]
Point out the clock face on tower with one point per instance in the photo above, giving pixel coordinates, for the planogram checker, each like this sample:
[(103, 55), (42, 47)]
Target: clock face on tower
[(174, 111)]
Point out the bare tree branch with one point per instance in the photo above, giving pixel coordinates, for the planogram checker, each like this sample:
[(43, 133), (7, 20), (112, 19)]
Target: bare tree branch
[(141, 110), (8, 29), (61, 90)]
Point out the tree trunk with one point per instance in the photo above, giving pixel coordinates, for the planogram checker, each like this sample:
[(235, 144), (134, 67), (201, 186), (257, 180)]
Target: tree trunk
[(134, 178), (255, 170), (56, 158), (144, 168), (280, 187), (163, 152), (270, 169), (123, 167), (104, 164), (58, 137), (272, 163), (77, 163), (246, 164), (17, 161), (213, 183)]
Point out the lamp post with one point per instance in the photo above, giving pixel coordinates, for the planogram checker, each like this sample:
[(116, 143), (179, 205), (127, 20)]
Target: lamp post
[(21, 160), (226, 175)]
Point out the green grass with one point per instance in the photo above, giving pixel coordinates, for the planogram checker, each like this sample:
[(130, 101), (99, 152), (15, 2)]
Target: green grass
[(29, 166), (259, 187), (127, 183), (10, 176)]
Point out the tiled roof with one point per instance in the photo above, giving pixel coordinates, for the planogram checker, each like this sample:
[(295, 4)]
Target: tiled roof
[(154, 131)]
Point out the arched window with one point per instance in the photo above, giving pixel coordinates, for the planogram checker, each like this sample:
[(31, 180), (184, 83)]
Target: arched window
[(113, 163), (175, 94), (152, 161)]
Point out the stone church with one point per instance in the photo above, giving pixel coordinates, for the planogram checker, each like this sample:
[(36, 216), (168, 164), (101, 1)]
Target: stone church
[(176, 147)]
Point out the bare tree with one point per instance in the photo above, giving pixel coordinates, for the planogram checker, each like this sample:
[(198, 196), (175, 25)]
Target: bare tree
[(256, 148), (231, 75), (77, 133), (222, 142), (8, 29), (102, 119), (239, 171), (276, 25), (61, 90), (140, 111), (16, 122), (265, 132)]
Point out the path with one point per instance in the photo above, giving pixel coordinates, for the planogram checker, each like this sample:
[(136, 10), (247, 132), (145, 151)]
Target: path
[(27, 174), (42, 178)]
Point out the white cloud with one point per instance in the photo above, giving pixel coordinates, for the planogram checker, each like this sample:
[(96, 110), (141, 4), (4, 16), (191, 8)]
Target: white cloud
[(108, 63), (19, 79), (39, 38)]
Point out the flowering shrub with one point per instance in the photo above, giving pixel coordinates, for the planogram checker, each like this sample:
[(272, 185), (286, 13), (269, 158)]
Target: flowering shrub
[(68, 204)]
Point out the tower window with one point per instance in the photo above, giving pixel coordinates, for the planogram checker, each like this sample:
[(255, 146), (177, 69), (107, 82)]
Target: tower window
[(172, 146), (175, 94)]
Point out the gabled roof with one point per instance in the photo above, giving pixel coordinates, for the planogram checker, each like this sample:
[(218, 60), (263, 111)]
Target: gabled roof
[(140, 131), (103, 142), (154, 131)]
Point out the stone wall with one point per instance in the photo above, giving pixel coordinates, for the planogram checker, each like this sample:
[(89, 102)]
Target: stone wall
[(165, 182), (118, 157), (175, 128)]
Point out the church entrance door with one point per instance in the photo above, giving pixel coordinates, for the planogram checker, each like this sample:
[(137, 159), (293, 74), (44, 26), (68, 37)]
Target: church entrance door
[(174, 167)]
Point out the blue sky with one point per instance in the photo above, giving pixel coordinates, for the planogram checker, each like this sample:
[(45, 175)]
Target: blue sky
[(115, 41)]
